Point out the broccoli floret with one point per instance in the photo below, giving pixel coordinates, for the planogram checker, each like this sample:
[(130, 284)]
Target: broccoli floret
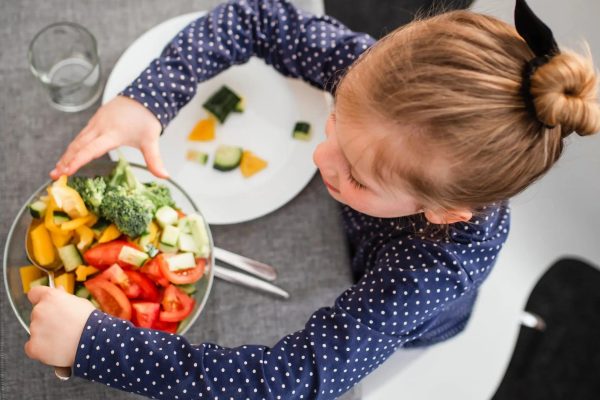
[(128, 203), (91, 191), (120, 176), (123, 176), (158, 194), (130, 211)]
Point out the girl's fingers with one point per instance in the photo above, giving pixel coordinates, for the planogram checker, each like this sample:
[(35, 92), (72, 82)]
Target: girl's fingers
[(86, 136), (153, 161), (29, 350), (96, 148), (37, 293)]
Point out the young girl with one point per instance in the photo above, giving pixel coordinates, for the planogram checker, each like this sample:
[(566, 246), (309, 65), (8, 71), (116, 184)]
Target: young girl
[(437, 124)]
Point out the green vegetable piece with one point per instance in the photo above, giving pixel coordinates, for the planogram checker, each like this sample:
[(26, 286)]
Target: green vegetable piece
[(83, 292), (60, 217), (222, 103), (302, 131), (91, 191), (227, 158), (38, 209), (240, 106)]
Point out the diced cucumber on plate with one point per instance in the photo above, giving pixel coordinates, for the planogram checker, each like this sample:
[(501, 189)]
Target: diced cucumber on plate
[(227, 157)]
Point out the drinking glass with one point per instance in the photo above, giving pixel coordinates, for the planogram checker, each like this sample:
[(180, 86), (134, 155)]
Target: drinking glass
[(64, 58)]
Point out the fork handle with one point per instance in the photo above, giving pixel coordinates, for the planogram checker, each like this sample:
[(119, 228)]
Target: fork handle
[(249, 265)]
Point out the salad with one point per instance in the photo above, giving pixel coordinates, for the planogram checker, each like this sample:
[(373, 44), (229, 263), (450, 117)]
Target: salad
[(122, 244)]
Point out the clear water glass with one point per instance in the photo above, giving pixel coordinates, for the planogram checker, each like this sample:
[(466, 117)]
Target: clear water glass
[(64, 58)]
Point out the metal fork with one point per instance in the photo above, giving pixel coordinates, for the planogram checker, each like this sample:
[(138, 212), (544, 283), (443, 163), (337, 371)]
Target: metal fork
[(253, 267)]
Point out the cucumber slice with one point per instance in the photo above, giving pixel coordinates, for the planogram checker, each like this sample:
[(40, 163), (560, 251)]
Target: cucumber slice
[(132, 256), (240, 106), (222, 103), (38, 209), (60, 217), (43, 281), (189, 288), (187, 243), (227, 158), (181, 261), (83, 292), (170, 235), (183, 225), (199, 234), (70, 257), (197, 156), (302, 131), (165, 248), (166, 216)]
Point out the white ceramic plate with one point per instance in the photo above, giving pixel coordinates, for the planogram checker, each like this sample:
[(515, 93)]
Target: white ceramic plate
[(273, 105)]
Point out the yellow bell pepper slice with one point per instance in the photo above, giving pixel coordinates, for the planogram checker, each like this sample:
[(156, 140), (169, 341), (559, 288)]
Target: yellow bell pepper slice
[(66, 281), (61, 181), (76, 223), (43, 249), (204, 130), (28, 274), (49, 217), (251, 164), (86, 236), (68, 199), (83, 271), (110, 233), (152, 231), (92, 221), (60, 239)]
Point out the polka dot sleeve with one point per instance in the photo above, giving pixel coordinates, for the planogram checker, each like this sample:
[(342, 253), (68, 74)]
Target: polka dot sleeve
[(393, 305), (295, 43)]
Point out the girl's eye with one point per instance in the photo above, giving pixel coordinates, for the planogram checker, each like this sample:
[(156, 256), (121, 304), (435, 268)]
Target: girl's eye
[(354, 182)]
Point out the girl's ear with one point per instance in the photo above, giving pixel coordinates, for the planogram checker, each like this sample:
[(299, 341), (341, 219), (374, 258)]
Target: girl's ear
[(448, 217)]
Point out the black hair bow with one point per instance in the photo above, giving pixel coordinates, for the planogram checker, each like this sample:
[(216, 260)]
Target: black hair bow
[(540, 40)]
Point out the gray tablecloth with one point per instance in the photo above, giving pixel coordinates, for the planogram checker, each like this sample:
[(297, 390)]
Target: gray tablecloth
[(303, 239)]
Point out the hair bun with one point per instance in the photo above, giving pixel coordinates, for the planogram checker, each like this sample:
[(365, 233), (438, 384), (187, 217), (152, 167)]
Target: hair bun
[(565, 93)]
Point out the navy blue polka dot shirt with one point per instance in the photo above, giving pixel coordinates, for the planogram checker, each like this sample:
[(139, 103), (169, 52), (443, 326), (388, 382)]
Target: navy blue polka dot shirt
[(415, 287)]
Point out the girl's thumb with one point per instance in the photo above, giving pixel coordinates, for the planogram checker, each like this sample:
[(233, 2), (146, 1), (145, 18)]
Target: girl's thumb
[(153, 161)]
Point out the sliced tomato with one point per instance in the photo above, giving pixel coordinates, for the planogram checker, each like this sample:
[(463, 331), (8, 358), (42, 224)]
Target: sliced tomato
[(152, 270), (147, 288), (106, 254), (112, 300), (116, 275), (184, 276), (176, 305), (170, 327), (145, 313)]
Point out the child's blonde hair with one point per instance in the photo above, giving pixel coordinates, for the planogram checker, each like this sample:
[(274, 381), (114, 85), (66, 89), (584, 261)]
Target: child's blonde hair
[(454, 81)]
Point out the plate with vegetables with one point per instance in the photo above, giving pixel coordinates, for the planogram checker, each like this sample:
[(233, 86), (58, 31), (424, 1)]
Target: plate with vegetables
[(242, 147), (136, 247)]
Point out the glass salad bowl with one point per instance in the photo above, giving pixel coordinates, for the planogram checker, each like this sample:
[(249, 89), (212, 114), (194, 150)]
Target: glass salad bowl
[(15, 255)]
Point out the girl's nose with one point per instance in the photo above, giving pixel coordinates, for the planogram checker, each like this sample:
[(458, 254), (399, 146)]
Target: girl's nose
[(325, 162)]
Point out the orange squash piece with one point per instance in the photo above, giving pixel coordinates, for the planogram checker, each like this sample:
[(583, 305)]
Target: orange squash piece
[(204, 130), (251, 164)]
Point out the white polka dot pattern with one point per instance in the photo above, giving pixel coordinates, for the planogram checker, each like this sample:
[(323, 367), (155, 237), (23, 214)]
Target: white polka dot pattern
[(414, 289), (297, 44)]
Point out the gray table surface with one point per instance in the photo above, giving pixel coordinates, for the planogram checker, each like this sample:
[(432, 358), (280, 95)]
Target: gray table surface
[(304, 239)]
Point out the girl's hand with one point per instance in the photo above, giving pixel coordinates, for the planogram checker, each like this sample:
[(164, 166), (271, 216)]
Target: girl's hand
[(57, 321), (122, 121)]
